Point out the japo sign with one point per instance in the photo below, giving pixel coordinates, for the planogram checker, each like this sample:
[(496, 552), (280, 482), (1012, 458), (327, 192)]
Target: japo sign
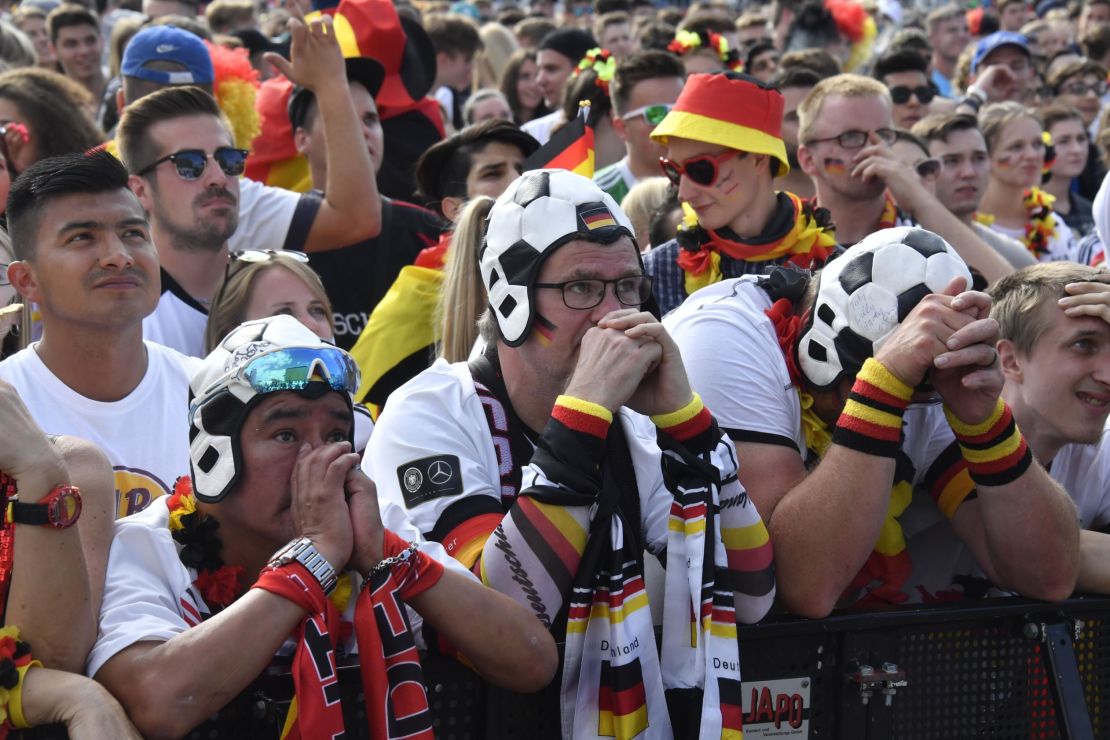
[(778, 709)]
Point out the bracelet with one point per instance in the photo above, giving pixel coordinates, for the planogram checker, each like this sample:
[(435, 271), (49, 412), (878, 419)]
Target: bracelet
[(15, 661), (386, 563), (995, 450), (871, 421)]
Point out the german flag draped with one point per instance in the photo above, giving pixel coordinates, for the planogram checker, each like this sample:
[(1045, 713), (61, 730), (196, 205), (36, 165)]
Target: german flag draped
[(569, 148)]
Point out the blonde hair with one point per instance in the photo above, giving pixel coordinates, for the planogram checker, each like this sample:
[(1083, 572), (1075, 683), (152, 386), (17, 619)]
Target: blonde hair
[(643, 200), (1018, 296), (498, 45), (994, 118), (842, 85), (229, 309), (463, 296)]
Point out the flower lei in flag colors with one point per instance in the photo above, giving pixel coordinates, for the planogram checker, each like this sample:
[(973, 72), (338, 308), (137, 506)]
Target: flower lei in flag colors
[(1049, 152), (686, 41), (15, 661), (600, 61), (889, 563), (809, 243), (1040, 225)]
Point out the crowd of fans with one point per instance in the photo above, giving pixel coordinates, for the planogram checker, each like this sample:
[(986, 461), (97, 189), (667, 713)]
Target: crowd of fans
[(343, 381)]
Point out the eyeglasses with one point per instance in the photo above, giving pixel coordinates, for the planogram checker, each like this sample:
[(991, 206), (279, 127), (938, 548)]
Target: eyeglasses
[(856, 139), (901, 95), (702, 170), (652, 114), (191, 163), (927, 168), (1079, 89), (236, 261), (633, 290), (4, 274)]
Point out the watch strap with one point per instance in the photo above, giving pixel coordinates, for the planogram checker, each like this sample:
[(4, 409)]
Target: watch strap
[(39, 514), (301, 550)]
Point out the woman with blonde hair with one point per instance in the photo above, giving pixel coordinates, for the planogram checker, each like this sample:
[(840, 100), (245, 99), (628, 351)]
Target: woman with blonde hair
[(1014, 204), (499, 43), (261, 283), (463, 297), (258, 284)]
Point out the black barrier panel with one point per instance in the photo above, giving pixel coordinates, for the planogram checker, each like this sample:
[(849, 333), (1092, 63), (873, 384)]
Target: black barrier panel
[(980, 669)]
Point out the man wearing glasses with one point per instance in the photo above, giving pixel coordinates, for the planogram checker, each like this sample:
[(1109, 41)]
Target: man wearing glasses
[(846, 134), (572, 445), (644, 89), (185, 168), (724, 148)]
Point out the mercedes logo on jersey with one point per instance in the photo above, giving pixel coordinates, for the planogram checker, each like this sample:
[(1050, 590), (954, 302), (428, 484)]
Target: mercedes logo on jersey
[(439, 472), (429, 478)]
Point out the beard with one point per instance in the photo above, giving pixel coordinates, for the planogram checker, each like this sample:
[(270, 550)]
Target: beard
[(202, 234)]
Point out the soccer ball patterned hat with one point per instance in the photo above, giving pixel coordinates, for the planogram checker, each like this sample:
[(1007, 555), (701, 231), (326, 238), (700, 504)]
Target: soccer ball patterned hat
[(540, 211), (865, 293)]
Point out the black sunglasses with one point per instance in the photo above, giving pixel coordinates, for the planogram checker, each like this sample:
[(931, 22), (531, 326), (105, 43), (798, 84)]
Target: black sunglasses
[(191, 163), (901, 94)]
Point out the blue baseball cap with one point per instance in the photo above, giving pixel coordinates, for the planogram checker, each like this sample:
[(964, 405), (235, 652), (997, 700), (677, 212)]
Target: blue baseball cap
[(996, 40), (168, 44)]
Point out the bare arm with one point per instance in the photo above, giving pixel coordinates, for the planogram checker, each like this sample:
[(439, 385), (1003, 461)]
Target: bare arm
[(1094, 562), (351, 211), (824, 525), (170, 687), (86, 709), (1030, 521), (512, 649), (51, 597)]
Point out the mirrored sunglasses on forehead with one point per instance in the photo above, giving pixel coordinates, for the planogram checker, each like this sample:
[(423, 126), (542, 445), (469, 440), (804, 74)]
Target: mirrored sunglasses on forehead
[(191, 163), (236, 261)]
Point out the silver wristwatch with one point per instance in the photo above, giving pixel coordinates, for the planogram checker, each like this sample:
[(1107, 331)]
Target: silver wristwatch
[(301, 550)]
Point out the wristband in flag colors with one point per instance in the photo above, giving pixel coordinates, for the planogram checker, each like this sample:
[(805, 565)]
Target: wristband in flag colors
[(871, 421), (582, 416), (995, 451)]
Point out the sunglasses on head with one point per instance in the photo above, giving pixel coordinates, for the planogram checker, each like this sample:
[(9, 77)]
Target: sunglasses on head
[(236, 261), (702, 170), (652, 114), (191, 163), (901, 94)]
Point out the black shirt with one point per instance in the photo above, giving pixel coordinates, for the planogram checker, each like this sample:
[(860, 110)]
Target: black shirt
[(357, 276)]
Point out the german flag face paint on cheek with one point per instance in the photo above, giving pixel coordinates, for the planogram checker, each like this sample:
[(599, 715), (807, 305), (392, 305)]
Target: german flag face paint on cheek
[(835, 167), (544, 330)]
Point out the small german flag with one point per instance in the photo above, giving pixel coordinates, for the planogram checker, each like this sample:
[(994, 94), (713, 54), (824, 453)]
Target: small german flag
[(569, 148)]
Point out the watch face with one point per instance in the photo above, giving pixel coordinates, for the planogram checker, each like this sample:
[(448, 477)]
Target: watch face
[(65, 507)]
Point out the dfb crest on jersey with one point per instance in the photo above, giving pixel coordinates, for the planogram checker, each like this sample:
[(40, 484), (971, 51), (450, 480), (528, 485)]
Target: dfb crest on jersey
[(866, 292), (539, 212)]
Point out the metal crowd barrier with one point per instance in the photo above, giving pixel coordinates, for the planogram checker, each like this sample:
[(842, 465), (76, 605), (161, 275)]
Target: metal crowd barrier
[(1003, 668)]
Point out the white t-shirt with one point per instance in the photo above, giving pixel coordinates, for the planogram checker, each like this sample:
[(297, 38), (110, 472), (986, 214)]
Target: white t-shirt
[(1084, 472), (265, 214), (149, 593), (145, 435), (540, 128), (1062, 246)]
